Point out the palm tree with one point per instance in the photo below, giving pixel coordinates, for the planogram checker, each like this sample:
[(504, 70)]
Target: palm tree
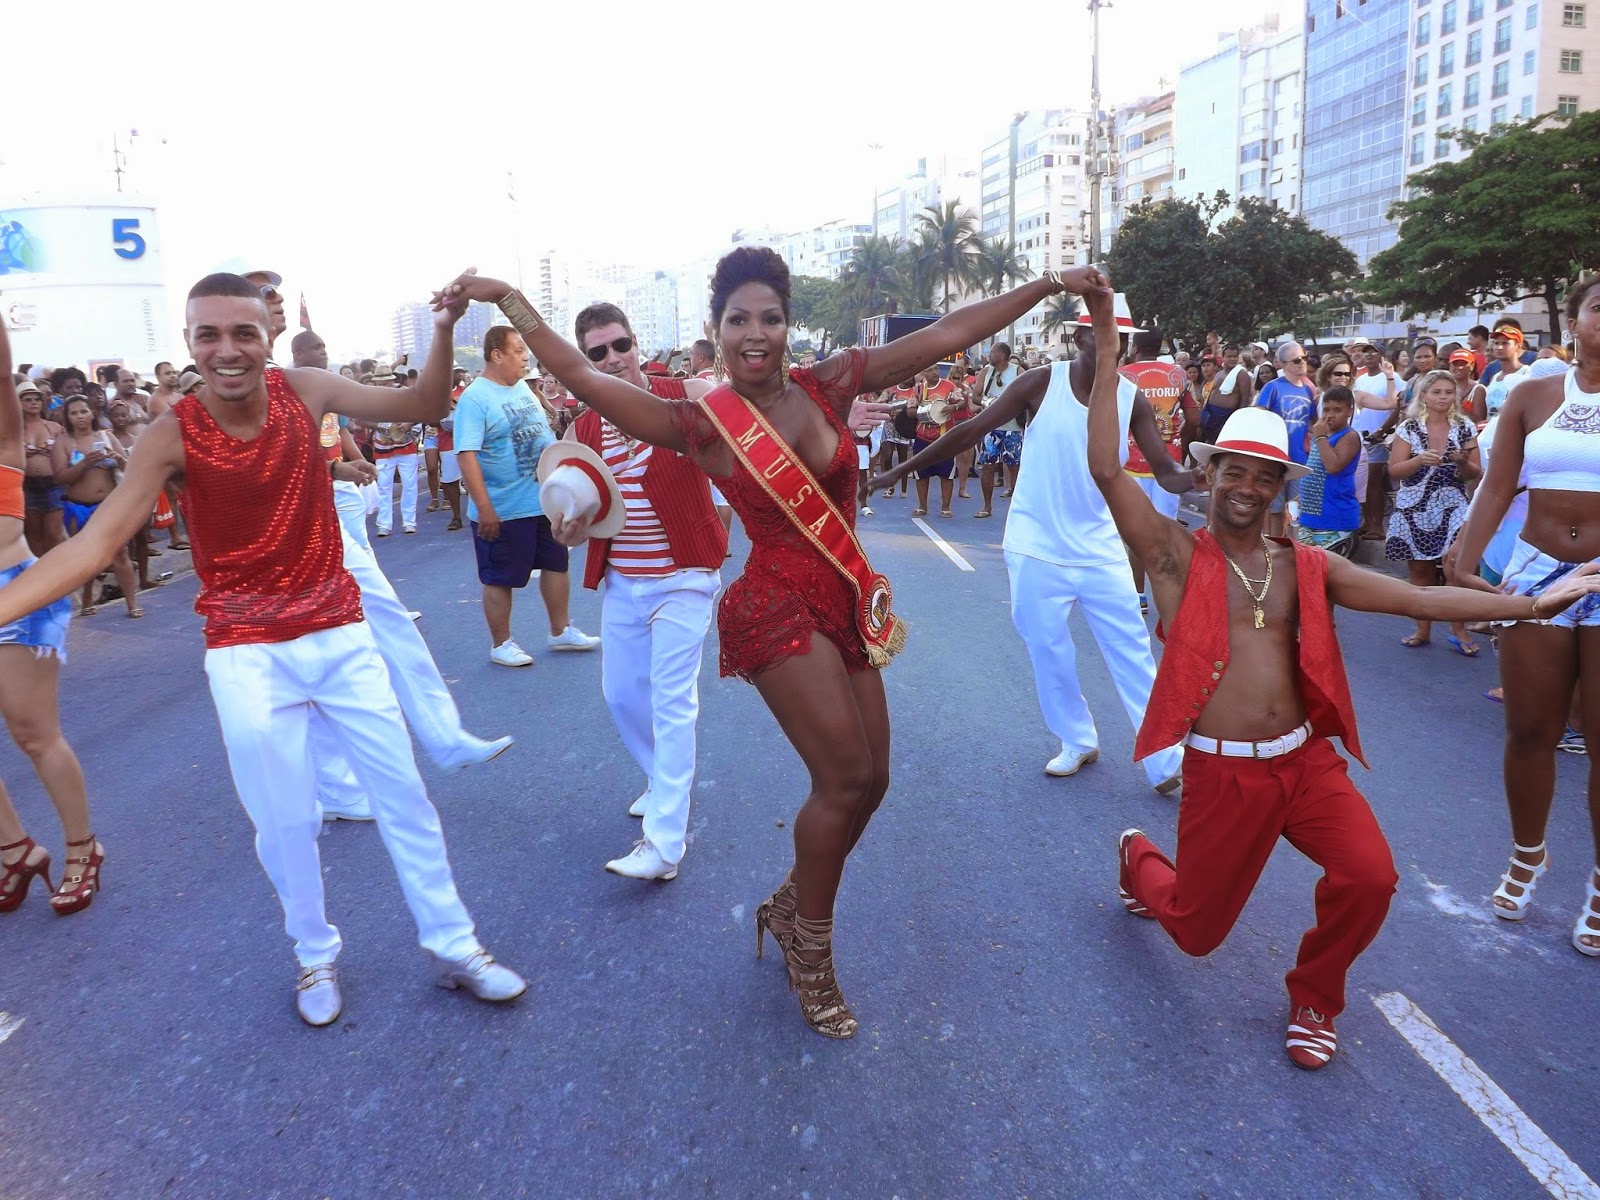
[(870, 274), (948, 237), (916, 273), (997, 266), (1060, 312)]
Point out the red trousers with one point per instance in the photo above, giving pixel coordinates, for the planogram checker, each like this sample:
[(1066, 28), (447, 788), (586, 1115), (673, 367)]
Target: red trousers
[(1232, 813)]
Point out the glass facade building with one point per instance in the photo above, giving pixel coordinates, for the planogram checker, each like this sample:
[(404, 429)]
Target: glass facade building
[(1357, 89)]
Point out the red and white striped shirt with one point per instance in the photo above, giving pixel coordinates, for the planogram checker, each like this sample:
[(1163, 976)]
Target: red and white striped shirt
[(641, 547)]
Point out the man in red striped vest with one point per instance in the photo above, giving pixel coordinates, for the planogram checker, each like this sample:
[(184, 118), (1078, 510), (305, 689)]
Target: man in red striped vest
[(661, 579)]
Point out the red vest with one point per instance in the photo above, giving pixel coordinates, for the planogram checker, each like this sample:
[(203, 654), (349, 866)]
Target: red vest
[(677, 489), (1194, 661)]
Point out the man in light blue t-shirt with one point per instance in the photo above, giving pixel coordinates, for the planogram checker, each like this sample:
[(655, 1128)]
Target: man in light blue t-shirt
[(500, 431), (1291, 397)]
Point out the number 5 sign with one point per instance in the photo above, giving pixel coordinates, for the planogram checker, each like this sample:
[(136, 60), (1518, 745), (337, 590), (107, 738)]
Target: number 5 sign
[(126, 240)]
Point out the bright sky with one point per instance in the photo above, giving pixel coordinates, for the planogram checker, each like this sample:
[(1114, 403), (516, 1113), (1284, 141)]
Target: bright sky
[(362, 150)]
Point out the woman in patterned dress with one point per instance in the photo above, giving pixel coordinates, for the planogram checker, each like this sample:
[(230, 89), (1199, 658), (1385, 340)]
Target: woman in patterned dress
[(1433, 458)]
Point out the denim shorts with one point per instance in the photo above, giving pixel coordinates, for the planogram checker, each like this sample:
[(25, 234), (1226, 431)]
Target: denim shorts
[(44, 629), (1529, 571), (42, 494), (525, 545)]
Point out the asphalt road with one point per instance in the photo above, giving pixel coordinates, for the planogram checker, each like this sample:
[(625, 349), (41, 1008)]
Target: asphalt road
[(1021, 1035)]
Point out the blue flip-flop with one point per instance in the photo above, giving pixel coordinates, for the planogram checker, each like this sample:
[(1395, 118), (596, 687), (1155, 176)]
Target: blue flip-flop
[(1465, 649)]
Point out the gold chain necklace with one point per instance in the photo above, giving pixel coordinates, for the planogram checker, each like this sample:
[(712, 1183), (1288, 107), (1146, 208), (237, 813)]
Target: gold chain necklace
[(1251, 584)]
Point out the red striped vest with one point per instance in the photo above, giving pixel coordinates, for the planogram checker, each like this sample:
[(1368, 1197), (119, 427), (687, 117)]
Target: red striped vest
[(677, 489), (1196, 658)]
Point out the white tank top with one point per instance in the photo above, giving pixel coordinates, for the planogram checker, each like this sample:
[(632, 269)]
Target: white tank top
[(1563, 454), (1058, 514)]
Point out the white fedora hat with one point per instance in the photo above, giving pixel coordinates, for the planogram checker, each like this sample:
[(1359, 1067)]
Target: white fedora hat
[(1256, 432), (575, 482), (1119, 304)]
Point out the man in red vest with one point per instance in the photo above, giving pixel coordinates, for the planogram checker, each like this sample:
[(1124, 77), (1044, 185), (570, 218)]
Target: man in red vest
[(661, 579), (1258, 639)]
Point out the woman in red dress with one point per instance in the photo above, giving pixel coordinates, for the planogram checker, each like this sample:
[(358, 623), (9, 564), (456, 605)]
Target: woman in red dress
[(789, 624)]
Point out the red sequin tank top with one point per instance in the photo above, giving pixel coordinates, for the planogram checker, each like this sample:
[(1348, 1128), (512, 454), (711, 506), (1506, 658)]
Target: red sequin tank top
[(262, 525)]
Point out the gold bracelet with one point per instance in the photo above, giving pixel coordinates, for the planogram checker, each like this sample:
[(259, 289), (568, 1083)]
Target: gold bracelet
[(1054, 279), (523, 319)]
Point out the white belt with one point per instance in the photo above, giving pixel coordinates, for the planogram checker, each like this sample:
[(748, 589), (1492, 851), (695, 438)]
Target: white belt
[(1271, 748)]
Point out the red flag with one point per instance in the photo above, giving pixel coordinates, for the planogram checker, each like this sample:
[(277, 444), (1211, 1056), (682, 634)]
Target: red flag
[(305, 317)]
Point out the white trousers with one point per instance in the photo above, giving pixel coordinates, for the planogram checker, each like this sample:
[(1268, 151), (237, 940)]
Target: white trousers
[(266, 695), (429, 707), (1042, 598), (1164, 502), (406, 465), (651, 634)]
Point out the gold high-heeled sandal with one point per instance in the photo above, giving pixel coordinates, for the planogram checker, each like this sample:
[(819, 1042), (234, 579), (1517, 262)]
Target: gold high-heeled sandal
[(775, 915), (809, 955)]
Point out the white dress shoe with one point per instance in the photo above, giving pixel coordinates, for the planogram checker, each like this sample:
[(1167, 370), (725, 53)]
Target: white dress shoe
[(1068, 764), (573, 638), (636, 809), (509, 654), (644, 861), (1171, 785), (474, 750), (414, 614), (317, 995), (359, 812), (482, 976)]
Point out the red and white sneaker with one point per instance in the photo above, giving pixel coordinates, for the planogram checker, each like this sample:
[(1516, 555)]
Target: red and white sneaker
[(1311, 1042), (1123, 891)]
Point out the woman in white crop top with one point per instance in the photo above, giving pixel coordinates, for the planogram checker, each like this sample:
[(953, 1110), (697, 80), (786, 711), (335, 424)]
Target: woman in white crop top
[(1550, 427)]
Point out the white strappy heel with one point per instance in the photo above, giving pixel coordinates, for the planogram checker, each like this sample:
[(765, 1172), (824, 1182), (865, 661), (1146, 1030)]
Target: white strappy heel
[(1589, 920), (1519, 902)]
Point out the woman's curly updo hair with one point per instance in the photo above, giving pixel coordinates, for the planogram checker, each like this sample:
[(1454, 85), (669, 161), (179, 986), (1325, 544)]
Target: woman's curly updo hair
[(748, 264)]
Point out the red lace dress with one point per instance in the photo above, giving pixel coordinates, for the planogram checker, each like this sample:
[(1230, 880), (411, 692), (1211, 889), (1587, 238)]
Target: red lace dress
[(788, 591)]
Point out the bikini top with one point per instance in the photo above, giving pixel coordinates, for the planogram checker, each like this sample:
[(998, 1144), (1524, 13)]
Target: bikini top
[(11, 491), (1563, 454)]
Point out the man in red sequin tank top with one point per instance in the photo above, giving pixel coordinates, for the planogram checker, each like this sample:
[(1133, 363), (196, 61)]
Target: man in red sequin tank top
[(1255, 689), (284, 630)]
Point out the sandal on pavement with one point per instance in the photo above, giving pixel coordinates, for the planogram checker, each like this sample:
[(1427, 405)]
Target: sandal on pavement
[(983, 512), (81, 881), (945, 512), (1516, 907), (135, 613), (1467, 649), (1412, 642), (919, 512), (1496, 694), (1588, 926)]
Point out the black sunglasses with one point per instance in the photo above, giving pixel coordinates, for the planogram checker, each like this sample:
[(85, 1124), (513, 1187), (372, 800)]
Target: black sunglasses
[(1299, 362), (1336, 374), (598, 353)]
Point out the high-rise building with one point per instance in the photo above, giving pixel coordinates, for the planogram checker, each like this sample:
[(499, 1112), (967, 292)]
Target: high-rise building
[(651, 302), (1033, 190), (1142, 133), (925, 188), (1240, 113), (824, 250), (1353, 159), (1477, 64), (1352, 167), (411, 328)]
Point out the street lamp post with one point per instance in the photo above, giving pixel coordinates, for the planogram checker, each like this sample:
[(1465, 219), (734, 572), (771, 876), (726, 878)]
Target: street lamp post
[(1097, 146)]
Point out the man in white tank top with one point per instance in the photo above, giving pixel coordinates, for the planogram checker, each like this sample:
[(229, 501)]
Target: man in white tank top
[(1063, 549)]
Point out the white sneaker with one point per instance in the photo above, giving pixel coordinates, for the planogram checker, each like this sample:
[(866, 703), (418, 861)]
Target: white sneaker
[(316, 994), (509, 654), (413, 614), (573, 638), (866, 510), (361, 812), (644, 861), (411, 528), (384, 532), (472, 751), (636, 809), (1068, 764)]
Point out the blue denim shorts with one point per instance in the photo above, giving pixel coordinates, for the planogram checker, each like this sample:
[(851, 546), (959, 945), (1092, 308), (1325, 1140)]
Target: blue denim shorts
[(1529, 571), (44, 629)]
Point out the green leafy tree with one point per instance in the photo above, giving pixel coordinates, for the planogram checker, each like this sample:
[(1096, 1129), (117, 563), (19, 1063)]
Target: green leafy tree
[(997, 267), (1278, 268), (1514, 220), (1258, 270), (947, 245), (470, 357), (917, 274), (822, 306)]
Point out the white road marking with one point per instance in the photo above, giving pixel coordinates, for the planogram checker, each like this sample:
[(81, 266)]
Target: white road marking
[(1545, 1160), (9, 1025), (949, 550)]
